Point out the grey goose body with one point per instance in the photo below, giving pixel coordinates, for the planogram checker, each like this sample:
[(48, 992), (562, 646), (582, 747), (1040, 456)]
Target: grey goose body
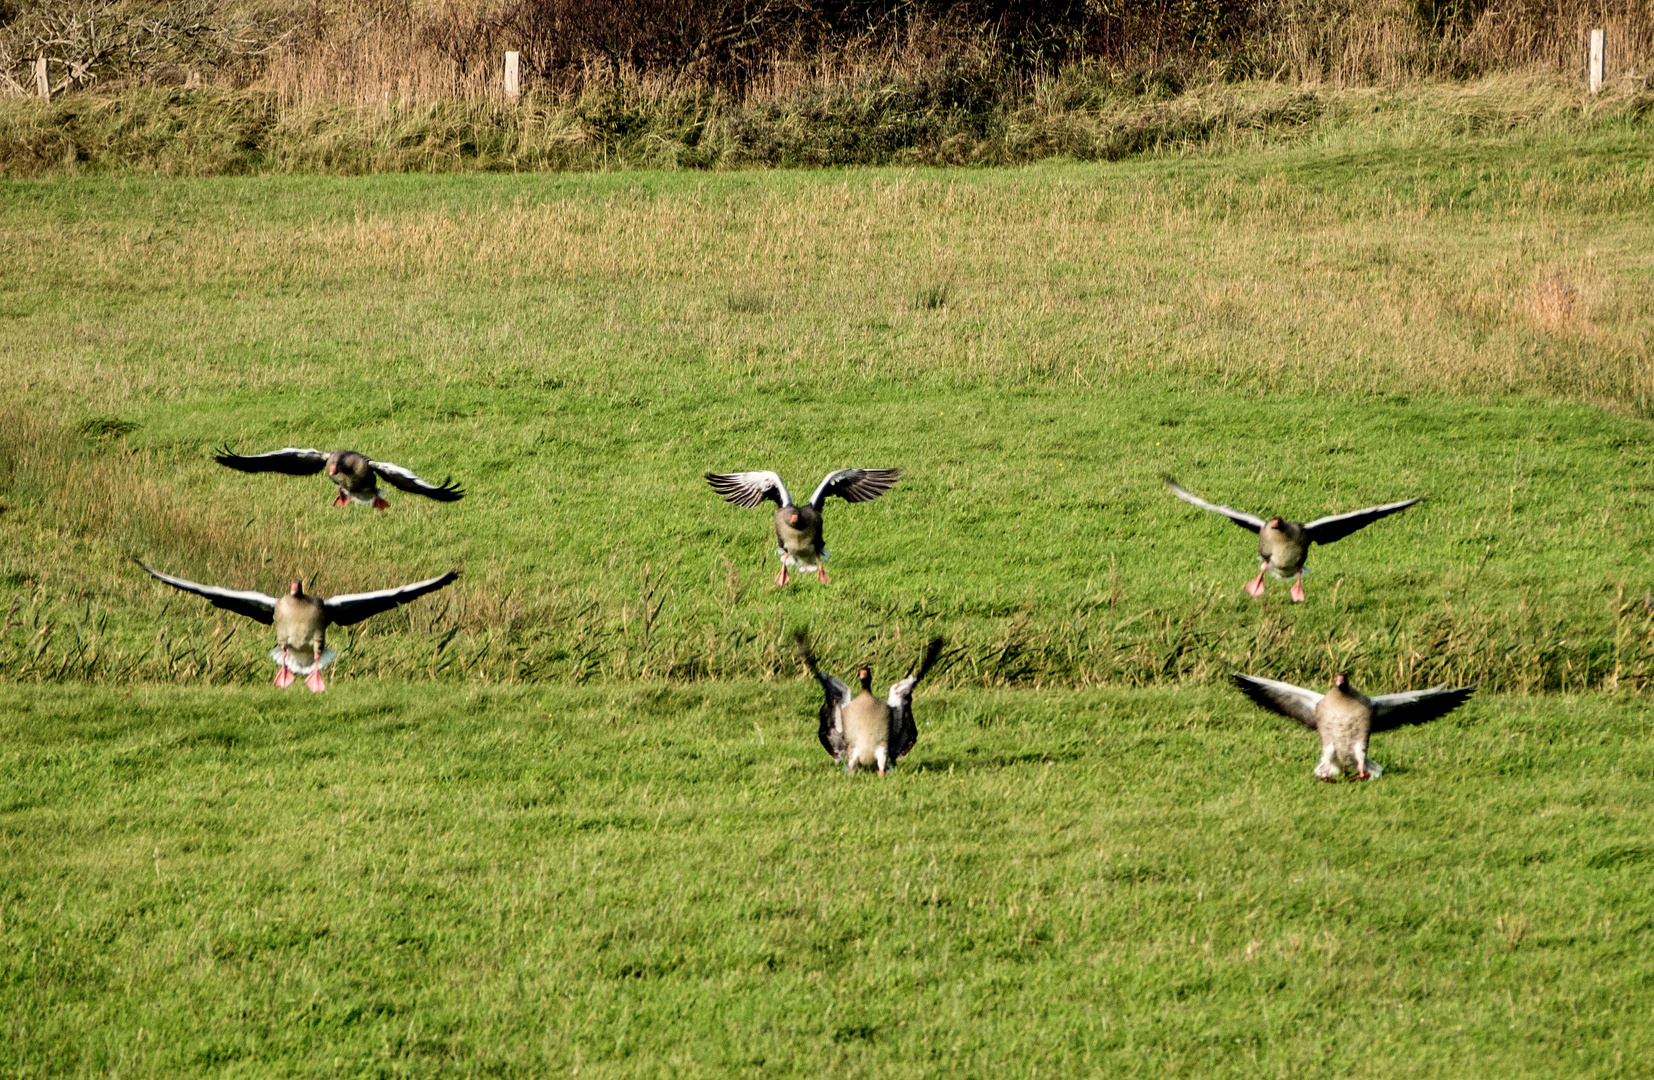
[(301, 620), (1283, 546), (798, 533), (356, 475), (860, 730), (1346, 719)]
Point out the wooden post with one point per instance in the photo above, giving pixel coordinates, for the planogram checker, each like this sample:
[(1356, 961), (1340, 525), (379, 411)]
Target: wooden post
[(42, 80), (1595, 71), (513, 65)]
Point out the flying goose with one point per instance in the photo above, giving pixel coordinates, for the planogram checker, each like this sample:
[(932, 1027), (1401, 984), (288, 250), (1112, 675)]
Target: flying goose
[(798, 528), (356, 475), (1283, 545), (301, 620), (862, 730), (1344, 717)]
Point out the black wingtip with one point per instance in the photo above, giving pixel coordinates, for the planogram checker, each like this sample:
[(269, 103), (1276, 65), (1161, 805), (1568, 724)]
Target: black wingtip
[(1254, 692), (933, 653), (447, 492), (726, 487)]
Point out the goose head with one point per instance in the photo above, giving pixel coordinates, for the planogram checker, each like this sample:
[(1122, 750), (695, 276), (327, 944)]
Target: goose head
[(295, 588), (866, 677), (1342, 681), (1275, 523), (792, 516)]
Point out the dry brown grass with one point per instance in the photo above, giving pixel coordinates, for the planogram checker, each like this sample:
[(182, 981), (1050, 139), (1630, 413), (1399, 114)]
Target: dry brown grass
[(378, 53), (1554, 304)]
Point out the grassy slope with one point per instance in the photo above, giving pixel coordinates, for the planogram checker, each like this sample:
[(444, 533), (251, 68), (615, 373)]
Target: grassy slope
[(643, 881), (578, 349), (940, 121)]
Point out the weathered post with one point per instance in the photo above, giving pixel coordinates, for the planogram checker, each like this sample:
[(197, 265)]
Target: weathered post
[(42, 79), (1596, 61), (513, 65)]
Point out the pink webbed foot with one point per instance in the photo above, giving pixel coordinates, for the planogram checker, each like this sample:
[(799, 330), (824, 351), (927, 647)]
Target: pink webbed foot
[(284, 677), (342, 500), (1254, 588), (821, 575), (781, 578), (1298, 591), (380, 504), (315, 681)]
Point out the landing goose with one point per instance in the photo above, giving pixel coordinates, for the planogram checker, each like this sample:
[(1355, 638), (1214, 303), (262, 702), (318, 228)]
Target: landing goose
[(356, 475), (1283, 545), (798, 528), (301, 620), (1344, 717), (862, 730)]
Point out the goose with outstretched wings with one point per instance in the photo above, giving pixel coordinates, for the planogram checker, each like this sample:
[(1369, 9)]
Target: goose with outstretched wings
[(1283, 546), (301, 620), (356, 475), (1345, 718), (860, 729), (798, 528)]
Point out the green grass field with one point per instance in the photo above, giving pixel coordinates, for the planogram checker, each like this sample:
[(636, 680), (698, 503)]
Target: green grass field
[(643, 881), (570, 813)]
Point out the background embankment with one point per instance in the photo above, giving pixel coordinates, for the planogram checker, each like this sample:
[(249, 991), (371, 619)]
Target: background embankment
[(211, 87)]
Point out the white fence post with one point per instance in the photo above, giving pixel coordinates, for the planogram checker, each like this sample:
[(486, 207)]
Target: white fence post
[(42, 79), (1596, 67), (513, 66)]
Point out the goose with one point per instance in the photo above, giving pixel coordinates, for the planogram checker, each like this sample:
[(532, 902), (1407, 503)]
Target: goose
[(798, 528), (862, 730), (1283, 546), (1344, 717), (356, 475), (301, 620)]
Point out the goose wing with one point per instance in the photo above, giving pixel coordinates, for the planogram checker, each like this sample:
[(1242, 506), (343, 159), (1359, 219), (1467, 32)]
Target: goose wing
[(855, 485), (830, 730), (1293, 702), (254, 605), (1239, 517), (405, 480), (748, 489), (1391, 711), (1326, 530), (290, 460), (354, 607), (904, 731)]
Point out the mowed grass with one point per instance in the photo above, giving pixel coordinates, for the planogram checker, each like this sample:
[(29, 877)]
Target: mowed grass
[(646, 880), (1297, 331)]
